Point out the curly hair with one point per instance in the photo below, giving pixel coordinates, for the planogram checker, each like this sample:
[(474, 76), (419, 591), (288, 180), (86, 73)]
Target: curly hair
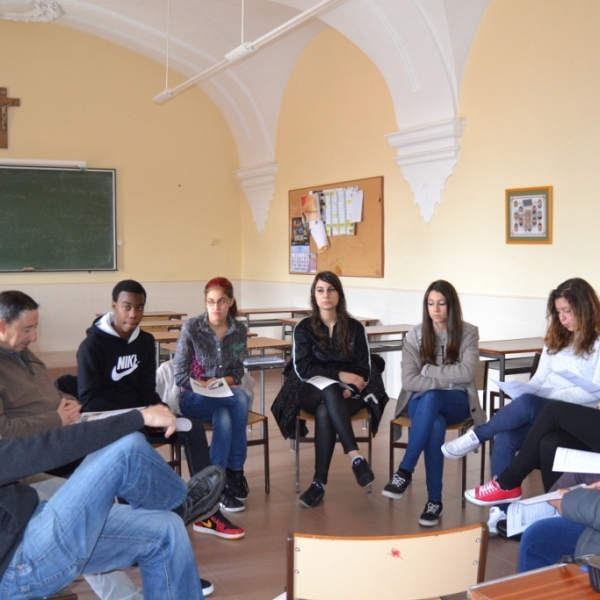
[(585, 305)]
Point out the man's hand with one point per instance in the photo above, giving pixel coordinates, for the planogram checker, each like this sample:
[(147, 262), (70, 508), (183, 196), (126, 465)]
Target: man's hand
[(159, 415), (69, 411), (353, 379)]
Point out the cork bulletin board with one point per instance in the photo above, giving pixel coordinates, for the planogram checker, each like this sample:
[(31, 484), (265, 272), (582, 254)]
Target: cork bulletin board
[(358, 255)]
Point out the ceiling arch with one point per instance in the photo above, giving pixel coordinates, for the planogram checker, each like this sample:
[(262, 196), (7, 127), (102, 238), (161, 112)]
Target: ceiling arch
[(419, 46)]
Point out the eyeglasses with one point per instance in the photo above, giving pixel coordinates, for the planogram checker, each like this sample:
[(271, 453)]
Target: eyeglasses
[(221, 302)]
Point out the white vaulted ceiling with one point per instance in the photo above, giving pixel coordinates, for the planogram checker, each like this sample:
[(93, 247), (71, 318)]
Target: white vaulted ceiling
[(419, 46)]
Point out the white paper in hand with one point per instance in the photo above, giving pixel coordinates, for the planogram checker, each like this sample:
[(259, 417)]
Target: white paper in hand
[(216, 389)]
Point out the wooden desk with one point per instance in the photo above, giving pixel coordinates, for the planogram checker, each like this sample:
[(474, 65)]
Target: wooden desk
[(246, 315), (552, 583), (163, 314), (288, 324), (392, 345), (152, 325), (164, 337), (500, 349), (261, 344)]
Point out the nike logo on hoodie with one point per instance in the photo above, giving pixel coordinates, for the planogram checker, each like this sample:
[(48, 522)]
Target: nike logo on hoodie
[(125, 366)]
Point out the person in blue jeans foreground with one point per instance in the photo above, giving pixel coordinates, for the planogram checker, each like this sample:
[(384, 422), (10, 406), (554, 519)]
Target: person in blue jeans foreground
[(213, 346), (45, 546), (576, 533), (439, 363), (572, 344)]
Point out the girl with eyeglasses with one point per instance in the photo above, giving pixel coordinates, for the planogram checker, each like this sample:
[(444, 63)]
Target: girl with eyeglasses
[(212, 346)]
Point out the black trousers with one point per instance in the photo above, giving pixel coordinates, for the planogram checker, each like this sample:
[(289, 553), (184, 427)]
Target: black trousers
[(193, 441), (558, 424), (332, 418)]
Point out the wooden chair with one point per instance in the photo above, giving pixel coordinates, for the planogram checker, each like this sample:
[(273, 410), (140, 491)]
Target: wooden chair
[(462, 428), (402, 567), (362, 415), (257, 419)]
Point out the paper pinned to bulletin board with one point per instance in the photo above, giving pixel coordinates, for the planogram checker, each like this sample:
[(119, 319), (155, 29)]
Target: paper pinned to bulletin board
[(338, 227)]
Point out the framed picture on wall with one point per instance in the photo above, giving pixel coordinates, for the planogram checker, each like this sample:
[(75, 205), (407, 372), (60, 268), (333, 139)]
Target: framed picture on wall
[(529, 215)]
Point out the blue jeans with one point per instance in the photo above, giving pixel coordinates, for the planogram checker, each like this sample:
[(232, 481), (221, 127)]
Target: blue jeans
[(429, 415), (545, 541), (81, 530), (229, 417), (510, 426)]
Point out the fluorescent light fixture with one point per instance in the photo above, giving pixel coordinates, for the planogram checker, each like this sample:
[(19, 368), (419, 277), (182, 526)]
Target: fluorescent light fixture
[(37, 162), (244, 50)]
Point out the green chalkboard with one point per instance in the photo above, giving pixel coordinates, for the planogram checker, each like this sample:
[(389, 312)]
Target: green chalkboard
[(57, 219)]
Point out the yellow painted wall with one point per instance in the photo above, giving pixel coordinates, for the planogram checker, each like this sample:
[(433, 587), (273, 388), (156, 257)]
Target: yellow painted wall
[(87, 99), (335, 113), (530, 99)]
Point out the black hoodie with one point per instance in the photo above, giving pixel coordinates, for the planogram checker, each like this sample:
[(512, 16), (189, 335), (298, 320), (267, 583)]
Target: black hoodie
[(113, 373)]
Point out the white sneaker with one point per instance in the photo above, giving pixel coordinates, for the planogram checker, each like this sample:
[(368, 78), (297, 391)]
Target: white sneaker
[(496, 514), (461, 446)]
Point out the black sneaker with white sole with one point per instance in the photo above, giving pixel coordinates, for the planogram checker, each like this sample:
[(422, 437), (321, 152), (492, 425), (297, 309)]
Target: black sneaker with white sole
[(431, 514), (207, 587), (397, 486), (230, 503), (362, 471), (313, 495)]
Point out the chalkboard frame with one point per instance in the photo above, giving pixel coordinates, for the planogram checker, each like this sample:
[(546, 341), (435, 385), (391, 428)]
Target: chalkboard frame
[(106, 202)]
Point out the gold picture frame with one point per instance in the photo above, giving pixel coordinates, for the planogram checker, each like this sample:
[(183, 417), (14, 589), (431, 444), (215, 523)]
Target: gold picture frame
[(529, 215)]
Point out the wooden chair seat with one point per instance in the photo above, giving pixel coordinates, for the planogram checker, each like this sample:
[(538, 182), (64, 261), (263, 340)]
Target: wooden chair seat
[(361, 415)]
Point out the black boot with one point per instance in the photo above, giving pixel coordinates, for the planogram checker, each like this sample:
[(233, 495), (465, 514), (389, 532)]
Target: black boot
[(237, 484)]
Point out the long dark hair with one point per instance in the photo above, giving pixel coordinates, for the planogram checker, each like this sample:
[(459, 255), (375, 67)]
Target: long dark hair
[(454, 324), (585, 305), (343, 318), (224, 284)]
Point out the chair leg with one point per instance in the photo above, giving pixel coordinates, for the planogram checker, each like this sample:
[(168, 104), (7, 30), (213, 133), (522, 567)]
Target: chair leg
[(297, 455), (482, 470), (266, 448), (391, 452)]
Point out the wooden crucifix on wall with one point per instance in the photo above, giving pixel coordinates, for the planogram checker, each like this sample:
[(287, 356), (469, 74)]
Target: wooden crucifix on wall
[(5, 102)]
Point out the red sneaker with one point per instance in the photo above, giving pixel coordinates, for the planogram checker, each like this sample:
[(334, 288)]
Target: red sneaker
[(492, 493), (220, 526)]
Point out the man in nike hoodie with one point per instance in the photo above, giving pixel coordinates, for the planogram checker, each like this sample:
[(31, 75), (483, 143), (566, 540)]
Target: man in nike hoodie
[(116, 368)]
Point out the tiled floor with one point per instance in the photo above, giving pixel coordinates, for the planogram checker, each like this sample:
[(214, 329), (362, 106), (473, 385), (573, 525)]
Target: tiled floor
[(254, 567)]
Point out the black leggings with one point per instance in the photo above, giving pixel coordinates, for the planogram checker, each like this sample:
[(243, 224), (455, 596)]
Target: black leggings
[(332, 417), (558, 424)]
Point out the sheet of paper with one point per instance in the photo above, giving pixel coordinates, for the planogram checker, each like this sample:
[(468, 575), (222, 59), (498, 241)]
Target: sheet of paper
[(517, 388), (567, 460), (317, 231), (584, 384), (300, 259), (217, 389), (520, 515), (356, 206), (322, 382), (548, 496)]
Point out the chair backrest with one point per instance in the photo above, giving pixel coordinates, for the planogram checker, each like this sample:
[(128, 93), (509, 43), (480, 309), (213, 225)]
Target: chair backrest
[(481, 376), (405, 567), (535, 363)]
